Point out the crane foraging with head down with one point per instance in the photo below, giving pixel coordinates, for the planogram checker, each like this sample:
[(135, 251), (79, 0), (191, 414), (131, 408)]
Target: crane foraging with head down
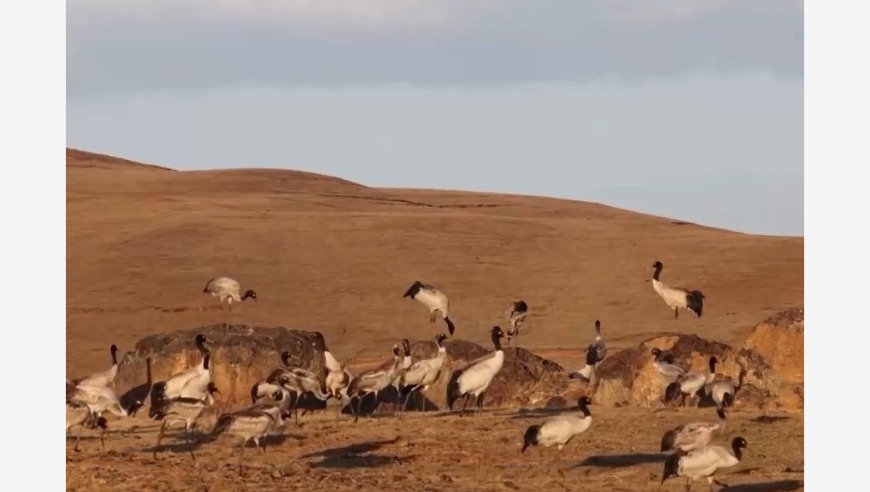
[(229, 290)]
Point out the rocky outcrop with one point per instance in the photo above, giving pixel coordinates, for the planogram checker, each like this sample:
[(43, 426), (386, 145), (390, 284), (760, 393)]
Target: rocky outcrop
[(525, 379), (630, 378), (780, 340), (240, 356)]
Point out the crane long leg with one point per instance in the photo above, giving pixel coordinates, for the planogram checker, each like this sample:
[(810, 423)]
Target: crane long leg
[(191, 440), (408, 397), (467, 395), (159, 438), (359, 400), (78, 437), (241, 452)]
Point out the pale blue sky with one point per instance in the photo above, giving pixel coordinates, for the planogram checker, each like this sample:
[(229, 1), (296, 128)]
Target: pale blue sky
[(682, 108)]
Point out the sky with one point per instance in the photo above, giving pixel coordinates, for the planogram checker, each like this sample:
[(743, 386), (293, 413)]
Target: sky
[(690, 109)]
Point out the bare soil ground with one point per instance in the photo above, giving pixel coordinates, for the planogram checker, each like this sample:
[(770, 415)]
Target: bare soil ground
[(335, 256), (438, 452)]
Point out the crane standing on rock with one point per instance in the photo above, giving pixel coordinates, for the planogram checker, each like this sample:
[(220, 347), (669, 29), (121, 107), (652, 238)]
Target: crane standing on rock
[(516, 314)]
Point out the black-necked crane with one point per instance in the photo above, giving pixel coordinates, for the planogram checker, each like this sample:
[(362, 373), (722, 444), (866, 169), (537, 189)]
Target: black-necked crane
[(560, 429), (703, 462), (693, 435), (595, 353), (424, 372), (475, 378), (107, 377), (677, 297), (251, 424), (373, 382), (228, 290), (690, 384), (516, 313), (181, 409), (433, 299)]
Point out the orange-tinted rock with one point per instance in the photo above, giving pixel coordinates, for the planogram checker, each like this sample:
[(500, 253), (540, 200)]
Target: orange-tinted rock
[(240, 356), (780, 339)]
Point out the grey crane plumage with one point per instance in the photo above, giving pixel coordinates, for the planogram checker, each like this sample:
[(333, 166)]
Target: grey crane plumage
[(693, 435), (251, 424), (227, 290), (400, 373), (595, 354), (101, 399), (299, 381), (79, 414), (181, 409), (373, 382), (664, 364), (435, 300), (690, 384), (423, 373), (516, 315)]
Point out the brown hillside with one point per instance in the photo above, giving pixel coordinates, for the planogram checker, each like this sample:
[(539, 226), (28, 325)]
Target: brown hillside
[(335, 256)]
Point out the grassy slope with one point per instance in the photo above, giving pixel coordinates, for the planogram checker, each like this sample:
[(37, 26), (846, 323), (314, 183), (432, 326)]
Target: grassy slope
[(336, 256)]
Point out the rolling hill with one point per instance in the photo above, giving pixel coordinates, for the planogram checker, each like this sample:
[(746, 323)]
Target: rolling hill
[(329, 254)]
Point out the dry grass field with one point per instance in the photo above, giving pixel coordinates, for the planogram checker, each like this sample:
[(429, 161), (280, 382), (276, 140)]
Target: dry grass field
[(335, 256), (438, 452)]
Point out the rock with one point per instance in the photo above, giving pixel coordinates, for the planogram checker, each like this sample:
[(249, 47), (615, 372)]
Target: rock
[(556, 402), (240, 356), (525, 379), (780, 340), (629, 375)]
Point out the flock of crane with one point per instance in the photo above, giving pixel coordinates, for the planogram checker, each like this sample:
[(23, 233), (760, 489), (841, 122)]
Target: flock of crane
[(183, 398)]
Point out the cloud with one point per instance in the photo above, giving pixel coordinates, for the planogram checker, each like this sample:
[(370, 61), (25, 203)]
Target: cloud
[(332, 14), (140, 46)]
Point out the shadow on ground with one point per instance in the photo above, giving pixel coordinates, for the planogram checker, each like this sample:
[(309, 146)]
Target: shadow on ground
[(773, 486), (623, 460), (355, 455), (530, 413), (179, 443), (769, 419), (386, 402)]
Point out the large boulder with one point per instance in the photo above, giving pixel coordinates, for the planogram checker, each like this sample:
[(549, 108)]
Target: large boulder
[(240, 356), (780, 339), (630, 378), (525, 379)]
